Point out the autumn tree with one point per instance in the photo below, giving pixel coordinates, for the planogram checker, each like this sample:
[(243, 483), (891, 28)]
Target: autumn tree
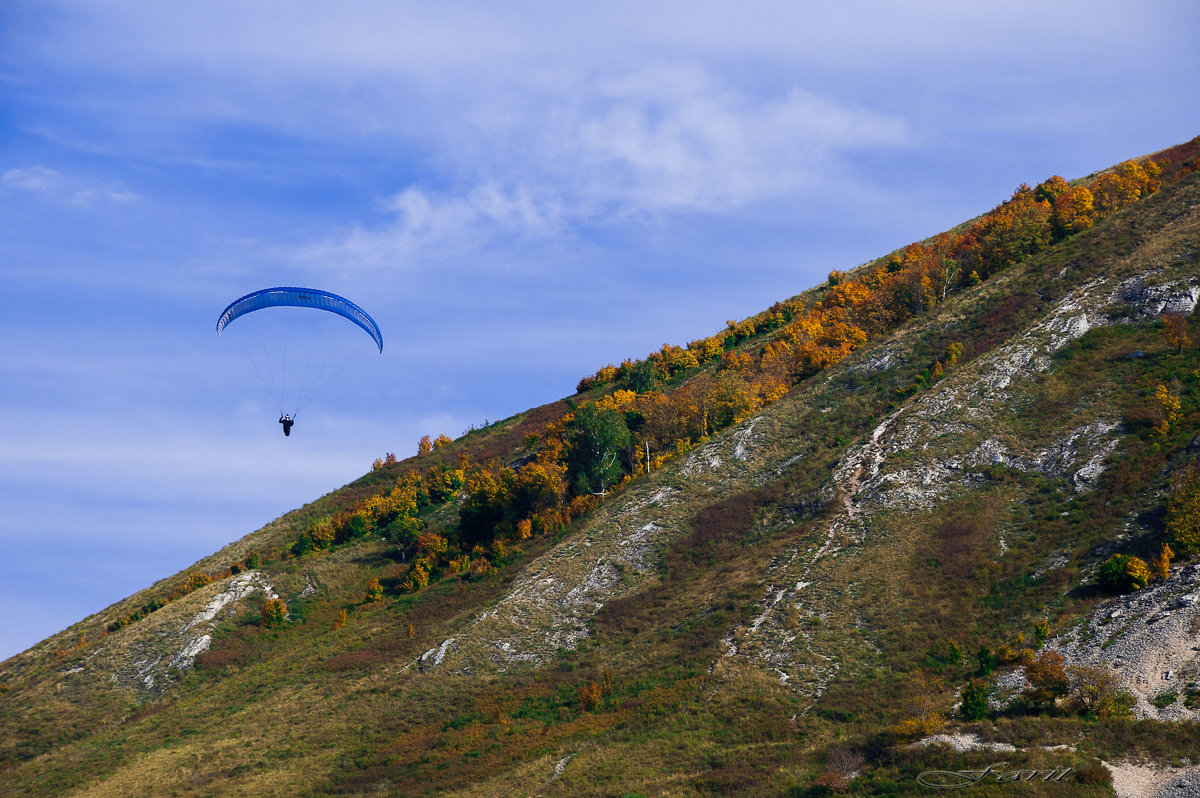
[(1126, 183), (589, 697), (1168, 407), (1175, 330), (425, 445), (663, 423), (1112, 193), (706, 349), (1183, 517), (274, 613), (1050, 189), (1074, 211), (442, 484), (1095, 692), (441, 440), (322, 534), (1047, 678), (538, 486), (924, 711), (374, 589), (841, 767), (1011, 232), (486, 503), (1161, 565)]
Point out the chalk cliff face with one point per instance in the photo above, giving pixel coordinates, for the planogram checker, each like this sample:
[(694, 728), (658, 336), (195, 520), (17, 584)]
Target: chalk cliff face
[(762, 612)]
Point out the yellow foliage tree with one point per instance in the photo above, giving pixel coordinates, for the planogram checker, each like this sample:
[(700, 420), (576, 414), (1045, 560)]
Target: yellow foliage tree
[(1168, 409), (322, 535), (706, 349), (925, 708), (1161, 565), (620, 400), (195, 581), (424, 446), (274, 613), (1183, 517), (1127, 183)]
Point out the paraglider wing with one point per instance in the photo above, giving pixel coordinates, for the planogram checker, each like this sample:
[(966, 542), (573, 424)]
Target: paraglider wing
[(301, 298)]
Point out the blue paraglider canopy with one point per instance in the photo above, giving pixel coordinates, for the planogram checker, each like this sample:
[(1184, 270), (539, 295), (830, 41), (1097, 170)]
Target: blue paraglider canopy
[(296, 354), (301, 298)]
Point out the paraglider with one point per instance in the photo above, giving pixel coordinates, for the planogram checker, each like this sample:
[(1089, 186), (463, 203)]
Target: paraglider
[(318, 346)]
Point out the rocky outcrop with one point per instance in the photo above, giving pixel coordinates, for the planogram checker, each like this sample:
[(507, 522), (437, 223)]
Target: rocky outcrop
[(1155, 300), (142, 655), (549, 606), (1151, 641)]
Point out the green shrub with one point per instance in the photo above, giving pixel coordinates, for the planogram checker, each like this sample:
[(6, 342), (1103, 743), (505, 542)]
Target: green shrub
[(975, 700), (1165, 700)]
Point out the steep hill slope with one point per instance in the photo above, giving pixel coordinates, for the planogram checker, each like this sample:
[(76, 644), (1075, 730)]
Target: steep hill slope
[(776, 607)]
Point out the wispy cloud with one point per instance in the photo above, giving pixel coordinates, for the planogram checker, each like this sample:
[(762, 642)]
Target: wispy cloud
[(675, 138), (57, 188), (669, 139), (452, 223)]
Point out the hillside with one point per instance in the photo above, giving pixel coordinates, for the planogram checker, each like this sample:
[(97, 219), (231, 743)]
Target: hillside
[(784, 560)]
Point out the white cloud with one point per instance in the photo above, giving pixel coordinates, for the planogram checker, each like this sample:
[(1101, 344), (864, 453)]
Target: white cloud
[(37, 179), (673, 138), (451, 223), (666, 139)]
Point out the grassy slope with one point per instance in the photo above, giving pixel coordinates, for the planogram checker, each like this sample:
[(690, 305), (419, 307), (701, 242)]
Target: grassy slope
[(309, 710)]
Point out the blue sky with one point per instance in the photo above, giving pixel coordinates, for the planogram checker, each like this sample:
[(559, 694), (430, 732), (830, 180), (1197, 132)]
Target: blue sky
[(518, 193)]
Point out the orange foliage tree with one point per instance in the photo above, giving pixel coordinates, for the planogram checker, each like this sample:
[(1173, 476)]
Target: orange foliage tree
[(1048, 680), (1175, 330), (1074, 211), (1126, 183)]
